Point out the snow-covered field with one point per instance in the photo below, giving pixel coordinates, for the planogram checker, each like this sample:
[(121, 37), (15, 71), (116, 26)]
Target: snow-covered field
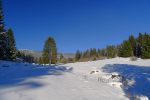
[(76, 81)]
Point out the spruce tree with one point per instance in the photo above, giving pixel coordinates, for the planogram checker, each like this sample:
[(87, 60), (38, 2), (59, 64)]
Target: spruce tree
[(87, 54), (93, 52), (139, 45), (11, 45), (132, 41), (146, 46), (111, 51), (125, 49), (78, 55), (61, 57), (50, 51), (3, 36), (54, 52)]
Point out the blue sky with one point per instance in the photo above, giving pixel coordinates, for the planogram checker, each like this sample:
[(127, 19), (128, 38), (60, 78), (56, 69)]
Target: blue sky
[(75, 24)]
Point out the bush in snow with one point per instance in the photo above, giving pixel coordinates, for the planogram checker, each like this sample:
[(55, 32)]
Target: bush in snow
[(133, 58)]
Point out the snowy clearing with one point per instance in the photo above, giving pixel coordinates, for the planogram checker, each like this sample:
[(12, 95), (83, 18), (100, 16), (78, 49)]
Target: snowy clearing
[(74, 81)]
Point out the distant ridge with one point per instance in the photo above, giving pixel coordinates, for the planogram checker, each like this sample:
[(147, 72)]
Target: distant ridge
[(38, 54)]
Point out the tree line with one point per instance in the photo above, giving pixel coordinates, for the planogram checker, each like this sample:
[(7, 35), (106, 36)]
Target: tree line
[(137, 47), (133, 46)]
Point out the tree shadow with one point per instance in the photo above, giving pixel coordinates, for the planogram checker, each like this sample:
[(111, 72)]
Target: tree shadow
[(140, 74), (16, 75)]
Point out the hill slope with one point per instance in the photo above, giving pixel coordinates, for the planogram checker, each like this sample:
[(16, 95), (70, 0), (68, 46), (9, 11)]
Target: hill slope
[(70, 81)]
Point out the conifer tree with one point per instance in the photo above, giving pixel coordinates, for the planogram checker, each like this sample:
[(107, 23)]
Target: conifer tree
[(125, 49), (93, 52), (86, 54), (11, 51), (146, 46), (132, 41), (54, 52), (3, 36), (50, 51), (111, 51), (139, 45), (61, 57), (78, 55)]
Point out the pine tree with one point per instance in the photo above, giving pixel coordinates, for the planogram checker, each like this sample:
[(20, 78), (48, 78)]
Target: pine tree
[(93, 52), (3, 36), (78, 55), (50, 51), (54, 52), (86, 54), (146, 46), (132, 41), (61, 57), (111, 51), (125, 49), (103, 52), (139, 45), (11, 45)]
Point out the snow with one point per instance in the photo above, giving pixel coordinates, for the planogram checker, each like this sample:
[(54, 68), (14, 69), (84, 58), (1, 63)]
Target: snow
[(116, 84), (73, 81)]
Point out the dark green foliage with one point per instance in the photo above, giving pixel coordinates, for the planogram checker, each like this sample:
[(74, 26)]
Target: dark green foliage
[(11, 51), (103, 52), (86, 54), (125, 49), (7, 41), (140, 46), (137, 47), (50, 51), (93, 52), (29, 58), (111, 51), (132, 41), (3, 36), (140, 39), (145, 46), (25, 58), (3, 46), (78, 55)]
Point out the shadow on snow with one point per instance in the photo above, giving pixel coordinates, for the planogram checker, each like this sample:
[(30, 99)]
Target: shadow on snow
[(17, 74), (140, 74)]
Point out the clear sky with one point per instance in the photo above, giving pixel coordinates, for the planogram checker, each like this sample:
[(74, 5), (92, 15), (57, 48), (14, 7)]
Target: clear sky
[(75, 24)]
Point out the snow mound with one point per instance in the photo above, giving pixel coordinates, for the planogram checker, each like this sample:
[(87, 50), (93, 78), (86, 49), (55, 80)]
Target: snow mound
[(141, 97), (116, 84)]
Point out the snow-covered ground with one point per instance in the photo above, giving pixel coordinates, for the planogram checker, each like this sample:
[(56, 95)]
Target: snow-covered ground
[(75, 81)]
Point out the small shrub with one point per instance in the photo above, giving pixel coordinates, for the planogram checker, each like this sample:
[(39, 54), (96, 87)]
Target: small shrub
[(70, 60), (133, 58), (64, 61)]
